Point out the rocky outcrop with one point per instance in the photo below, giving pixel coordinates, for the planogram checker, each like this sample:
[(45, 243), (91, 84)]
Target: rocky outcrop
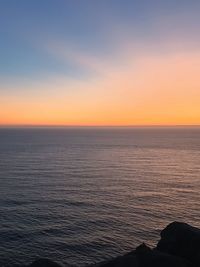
[(181, 239), (144, 256), (179, 246), (44, 263)]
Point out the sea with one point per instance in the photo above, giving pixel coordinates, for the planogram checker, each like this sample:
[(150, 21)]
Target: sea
[(82, 195)]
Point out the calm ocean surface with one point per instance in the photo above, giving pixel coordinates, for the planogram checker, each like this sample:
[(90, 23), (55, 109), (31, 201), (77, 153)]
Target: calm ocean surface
[(83, 195)]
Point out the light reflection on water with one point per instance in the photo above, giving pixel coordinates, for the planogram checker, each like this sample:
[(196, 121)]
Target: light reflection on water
[(82, 195)]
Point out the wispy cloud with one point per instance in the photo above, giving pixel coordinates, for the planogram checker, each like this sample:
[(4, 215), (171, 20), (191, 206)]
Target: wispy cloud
[(146, 80)]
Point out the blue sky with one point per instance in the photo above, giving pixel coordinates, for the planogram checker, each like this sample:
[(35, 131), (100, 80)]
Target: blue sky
[(26, 25), (43, 41)]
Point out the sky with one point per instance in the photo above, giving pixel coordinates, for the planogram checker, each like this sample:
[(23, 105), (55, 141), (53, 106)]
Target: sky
[(99, 62)]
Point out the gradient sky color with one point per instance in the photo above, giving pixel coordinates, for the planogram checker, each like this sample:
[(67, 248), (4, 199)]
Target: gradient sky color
[(99, 62)]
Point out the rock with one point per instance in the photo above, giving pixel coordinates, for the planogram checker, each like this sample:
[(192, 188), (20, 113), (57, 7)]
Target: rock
[(143, 256), (44, 263), (181, 239), (128, 260), (153, 258), (179, 247)]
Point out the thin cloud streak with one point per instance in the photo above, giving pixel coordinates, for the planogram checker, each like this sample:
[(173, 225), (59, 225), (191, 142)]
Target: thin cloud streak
[(146, 80), (154, 90)]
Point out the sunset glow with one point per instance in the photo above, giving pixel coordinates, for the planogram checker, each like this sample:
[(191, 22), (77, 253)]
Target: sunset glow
[(104, 70)]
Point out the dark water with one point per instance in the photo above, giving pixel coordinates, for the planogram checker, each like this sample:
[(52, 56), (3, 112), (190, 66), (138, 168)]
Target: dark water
[(82, 195)]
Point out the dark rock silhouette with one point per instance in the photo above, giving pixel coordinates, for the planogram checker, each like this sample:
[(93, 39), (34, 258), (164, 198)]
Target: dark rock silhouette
[(129, 260), (181, 239), (148, 257), (179, 247), (44, 263), (144, 256)]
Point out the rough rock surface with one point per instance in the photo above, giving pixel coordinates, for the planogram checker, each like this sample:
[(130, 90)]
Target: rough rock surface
[(179, 247), (44, 263), (181, 239), (143, 256)]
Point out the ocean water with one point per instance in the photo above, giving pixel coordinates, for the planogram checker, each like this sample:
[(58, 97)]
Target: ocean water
[(83, 195)]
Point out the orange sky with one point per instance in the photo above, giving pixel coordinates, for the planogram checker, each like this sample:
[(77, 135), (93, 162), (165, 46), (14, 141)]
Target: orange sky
[(145, 89), (134, 64)]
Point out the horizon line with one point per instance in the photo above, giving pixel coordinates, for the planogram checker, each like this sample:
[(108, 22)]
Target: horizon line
[(91, 125)]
